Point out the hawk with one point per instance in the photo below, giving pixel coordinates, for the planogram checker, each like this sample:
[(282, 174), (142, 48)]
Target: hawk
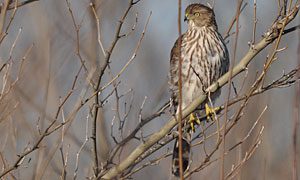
[(205, 58)]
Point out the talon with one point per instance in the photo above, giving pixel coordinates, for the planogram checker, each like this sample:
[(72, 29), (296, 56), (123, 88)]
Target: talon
[(193, 120), (210, 112)]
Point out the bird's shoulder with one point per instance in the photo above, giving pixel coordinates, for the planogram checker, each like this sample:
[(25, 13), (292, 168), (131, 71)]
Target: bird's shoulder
[(175, 50)]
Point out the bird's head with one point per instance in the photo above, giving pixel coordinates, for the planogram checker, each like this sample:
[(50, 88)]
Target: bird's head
[(200, 15)]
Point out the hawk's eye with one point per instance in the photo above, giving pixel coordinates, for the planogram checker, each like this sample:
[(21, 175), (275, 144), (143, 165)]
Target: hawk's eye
[(196, 14)]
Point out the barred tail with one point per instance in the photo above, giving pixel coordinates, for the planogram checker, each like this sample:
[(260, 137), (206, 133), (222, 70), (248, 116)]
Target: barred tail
[(186, 147)]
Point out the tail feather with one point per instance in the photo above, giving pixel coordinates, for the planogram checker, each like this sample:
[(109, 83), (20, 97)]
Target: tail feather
[(186, 148)]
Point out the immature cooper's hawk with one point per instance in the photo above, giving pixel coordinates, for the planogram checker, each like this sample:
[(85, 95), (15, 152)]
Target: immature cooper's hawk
[(204, 59)]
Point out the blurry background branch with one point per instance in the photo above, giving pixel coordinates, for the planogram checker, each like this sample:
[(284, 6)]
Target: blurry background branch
[(16, 3)]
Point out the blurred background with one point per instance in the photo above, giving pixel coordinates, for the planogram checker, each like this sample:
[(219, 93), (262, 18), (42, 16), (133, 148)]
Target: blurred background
[(49, 70)]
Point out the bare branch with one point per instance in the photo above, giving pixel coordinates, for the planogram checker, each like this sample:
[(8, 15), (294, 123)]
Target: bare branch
[(19, 4)]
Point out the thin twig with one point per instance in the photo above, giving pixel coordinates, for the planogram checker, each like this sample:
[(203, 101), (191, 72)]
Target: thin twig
[(2, 21), (247, 156), (140, 118), (254, 22), (179, 110), (98, 29), (296, 121), (81, 147), (222, 166), (227, 33), (77, 30), (19, 4)]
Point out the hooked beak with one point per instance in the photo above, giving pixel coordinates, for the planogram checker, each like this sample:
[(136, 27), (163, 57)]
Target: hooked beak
[(185, 17)]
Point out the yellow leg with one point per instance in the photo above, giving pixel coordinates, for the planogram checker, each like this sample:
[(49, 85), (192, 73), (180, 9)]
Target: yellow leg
[(210, 112), (193, 120)]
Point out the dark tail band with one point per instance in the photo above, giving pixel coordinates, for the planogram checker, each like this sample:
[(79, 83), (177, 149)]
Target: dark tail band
[(186, 147)]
